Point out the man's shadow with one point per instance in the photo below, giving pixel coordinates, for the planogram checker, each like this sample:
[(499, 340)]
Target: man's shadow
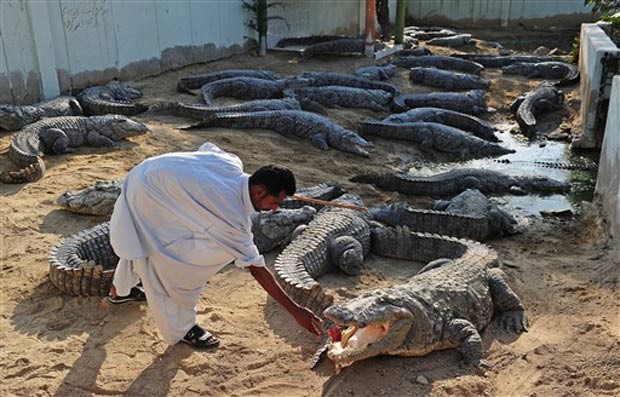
[(48, 314)]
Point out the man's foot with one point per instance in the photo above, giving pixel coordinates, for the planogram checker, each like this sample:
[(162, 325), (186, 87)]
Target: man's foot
[(200, 338), (135, 295)]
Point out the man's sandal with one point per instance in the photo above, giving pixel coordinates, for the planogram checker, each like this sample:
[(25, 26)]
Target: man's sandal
[(200, 338)]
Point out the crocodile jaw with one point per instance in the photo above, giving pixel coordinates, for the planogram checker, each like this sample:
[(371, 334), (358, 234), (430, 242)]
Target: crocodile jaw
[(376, 338)]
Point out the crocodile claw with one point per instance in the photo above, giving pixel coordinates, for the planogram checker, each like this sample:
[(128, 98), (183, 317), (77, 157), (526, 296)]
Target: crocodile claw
[(514, 321)]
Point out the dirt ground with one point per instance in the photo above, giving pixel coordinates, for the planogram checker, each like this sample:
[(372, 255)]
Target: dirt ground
[(53, 344)]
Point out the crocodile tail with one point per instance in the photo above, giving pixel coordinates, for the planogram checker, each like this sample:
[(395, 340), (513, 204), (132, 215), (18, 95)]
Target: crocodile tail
[(31, 173)]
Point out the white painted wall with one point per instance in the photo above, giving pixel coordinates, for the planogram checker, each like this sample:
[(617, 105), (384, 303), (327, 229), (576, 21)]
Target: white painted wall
[(594, 44), (56, 46), (608, 180), (559, 13)]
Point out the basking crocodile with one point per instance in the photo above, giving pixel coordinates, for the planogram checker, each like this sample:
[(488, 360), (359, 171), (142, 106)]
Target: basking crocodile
[(317, 79), (447, 79), (455, 181), (472, 102), (111, 99), (566, 72), (378, 72), (334, 95), (476, 126), (450, 41), (60, 135), (473, 203), (544, 98), (188, 83), (444, 306), (334, 47), (439, 62), (84, 264), (336, 237), (199, 112), (99, 198), (247, 88), (322, 132), (415, 51), (435, 136), (15, 117), (468, 215), (498, 61)]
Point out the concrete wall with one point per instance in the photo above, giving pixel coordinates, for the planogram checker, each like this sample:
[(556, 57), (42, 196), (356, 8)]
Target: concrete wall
[(51, 47), (493, 13), (595, 44), (608, 181)]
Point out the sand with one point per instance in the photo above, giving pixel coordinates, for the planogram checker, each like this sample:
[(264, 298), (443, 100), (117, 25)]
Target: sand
[(53, 344)]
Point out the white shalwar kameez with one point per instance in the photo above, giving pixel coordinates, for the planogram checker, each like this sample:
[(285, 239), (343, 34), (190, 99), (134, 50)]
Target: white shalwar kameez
[(180, 218)]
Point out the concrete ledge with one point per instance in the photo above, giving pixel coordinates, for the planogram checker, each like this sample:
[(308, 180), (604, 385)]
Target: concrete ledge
[(607, 191), (595, 44)]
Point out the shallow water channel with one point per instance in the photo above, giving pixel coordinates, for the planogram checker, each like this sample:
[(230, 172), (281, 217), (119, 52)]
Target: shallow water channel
[(522, 163)]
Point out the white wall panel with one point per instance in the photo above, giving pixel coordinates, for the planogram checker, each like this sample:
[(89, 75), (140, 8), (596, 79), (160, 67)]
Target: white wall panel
[(20, 51), (205, 22), (91, 42), (59, 40), (6, 95), (497, 12), (135, 28)]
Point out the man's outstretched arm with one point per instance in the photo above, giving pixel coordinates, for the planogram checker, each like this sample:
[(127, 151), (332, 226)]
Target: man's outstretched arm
[(302, 315)]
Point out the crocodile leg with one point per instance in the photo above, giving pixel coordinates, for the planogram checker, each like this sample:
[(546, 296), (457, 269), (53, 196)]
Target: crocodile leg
[(55, 141), (513, 313), (348, 254), (462, 333), (97, 140)]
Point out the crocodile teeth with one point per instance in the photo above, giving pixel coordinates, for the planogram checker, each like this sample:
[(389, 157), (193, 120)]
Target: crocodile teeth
[(347, 334)]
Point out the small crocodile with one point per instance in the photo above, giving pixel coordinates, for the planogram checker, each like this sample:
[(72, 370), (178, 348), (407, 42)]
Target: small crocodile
[(439, 62), (566, 72), (447, 79), (111, 99), (435, 136), (580, 165), (333, 95), (378, 72), (472, 102), (444, 306), (334, 47), (317, 79), (450, 41), (498, 61), (188, 83), (60, 135), (322, 132), (99, 198), (455, 181), (544, 98), (415, 51), (84, 264), (199, 112), (478, 127), (15, 117)]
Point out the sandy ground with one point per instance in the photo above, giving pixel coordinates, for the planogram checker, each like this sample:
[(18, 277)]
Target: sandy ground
[(53, 344)]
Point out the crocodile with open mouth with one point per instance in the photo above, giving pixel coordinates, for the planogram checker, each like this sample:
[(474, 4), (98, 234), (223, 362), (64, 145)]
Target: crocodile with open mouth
[(444, 306)]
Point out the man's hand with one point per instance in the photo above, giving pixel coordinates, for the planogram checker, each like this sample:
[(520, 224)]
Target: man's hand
[(307, 319), (304, 317)]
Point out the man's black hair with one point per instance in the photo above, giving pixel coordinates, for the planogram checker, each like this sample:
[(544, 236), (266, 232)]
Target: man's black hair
[(275, 179)]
